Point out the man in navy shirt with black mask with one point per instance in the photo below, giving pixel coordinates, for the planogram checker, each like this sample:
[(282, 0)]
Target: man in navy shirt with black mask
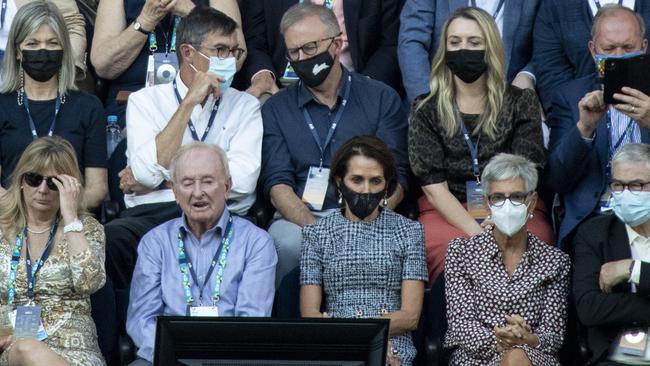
[(307, 122)]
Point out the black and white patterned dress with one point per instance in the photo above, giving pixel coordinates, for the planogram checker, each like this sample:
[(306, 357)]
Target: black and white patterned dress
[(480, 294), (361, 266)]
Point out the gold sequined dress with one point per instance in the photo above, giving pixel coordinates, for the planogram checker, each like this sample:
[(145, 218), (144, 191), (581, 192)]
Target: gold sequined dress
[(63, 288)]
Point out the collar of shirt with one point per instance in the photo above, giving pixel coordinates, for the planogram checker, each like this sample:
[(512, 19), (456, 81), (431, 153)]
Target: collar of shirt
[(639, 244), (305, 95), (594, 9), (494, 251), (182, 91), (217, 229)]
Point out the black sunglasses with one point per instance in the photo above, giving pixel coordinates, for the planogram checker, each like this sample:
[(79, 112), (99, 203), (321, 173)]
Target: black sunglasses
[(35, 180)]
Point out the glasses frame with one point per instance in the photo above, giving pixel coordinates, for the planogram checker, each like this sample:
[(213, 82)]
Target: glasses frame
[(310, 53), (507, 197), (236, 52), (49, 180), (641, 186)]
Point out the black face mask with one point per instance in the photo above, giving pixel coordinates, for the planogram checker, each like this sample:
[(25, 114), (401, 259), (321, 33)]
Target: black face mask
[(361, 204), (313, 71), (468, 65), (41, 65)]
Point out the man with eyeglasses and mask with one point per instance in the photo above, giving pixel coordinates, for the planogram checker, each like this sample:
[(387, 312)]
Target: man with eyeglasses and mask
[(611, 282), (198, 105), (304, 125), (586, 132)]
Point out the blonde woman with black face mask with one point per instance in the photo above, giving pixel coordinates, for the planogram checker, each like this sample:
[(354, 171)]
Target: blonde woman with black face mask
[(469, 116)]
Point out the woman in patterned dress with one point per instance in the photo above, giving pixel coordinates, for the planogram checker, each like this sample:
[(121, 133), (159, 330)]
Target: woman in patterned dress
[(506, 289), (42, 217), (367, 260)]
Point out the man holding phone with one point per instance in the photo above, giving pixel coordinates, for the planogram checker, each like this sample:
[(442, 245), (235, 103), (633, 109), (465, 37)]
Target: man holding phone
[(586, 132)]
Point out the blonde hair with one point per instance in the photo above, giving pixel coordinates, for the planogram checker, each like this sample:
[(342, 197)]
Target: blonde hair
[(28, 20), (441, 81), (41, 156)]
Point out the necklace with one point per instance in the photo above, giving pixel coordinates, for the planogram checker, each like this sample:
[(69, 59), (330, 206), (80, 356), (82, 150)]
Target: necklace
[(38, 232)]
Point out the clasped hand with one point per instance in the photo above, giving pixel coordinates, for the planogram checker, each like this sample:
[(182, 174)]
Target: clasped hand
[(515, 332)]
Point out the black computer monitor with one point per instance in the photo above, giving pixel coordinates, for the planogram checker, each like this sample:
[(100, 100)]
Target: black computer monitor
[(266, 341)]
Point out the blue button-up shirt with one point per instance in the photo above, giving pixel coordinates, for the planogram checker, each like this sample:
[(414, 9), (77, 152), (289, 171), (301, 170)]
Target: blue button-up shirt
[(157, 287), (289, 149)]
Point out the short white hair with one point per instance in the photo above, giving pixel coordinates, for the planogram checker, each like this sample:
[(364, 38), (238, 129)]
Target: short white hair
[(196, 145), (633, 153), (508, 167)]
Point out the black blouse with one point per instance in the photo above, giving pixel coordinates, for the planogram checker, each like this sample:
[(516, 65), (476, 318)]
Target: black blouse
[(81, 121), (436, 158)]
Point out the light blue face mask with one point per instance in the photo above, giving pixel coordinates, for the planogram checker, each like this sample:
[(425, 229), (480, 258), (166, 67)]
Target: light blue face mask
[(632, 208), (600, 59), (225, 68)]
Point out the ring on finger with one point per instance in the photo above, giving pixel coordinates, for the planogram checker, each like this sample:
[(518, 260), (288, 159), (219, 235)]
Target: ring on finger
[(632, 109)]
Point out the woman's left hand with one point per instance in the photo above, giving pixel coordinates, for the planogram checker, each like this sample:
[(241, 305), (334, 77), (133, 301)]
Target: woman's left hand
[(392, 358), (69, 192)]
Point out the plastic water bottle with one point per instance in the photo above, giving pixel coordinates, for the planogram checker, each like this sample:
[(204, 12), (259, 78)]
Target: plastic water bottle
[(112, 134)]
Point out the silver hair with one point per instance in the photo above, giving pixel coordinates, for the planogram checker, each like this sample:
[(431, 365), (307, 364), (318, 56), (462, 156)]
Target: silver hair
[(28, 20), (185, 149), (507, 167), (301, 11), (608, 10), (633, 153)]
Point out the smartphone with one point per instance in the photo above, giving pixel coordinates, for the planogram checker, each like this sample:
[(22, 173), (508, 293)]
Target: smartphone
[(632, 72)]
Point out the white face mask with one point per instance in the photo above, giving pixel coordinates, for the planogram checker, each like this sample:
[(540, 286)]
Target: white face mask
[(509, 218), (632, 208)]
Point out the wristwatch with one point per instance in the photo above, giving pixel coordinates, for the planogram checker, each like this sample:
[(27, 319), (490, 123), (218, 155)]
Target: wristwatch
[(137, 26), (75, 226)]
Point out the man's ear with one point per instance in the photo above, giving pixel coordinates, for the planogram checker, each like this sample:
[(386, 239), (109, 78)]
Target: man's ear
[(187, 52)]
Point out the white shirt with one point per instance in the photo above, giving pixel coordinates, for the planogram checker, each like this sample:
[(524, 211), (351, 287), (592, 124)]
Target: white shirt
[(9, 17), (491, 6), (237, 129), (594, 7), (640, 248)]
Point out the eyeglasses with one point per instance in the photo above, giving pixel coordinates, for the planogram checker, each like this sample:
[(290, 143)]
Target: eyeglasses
[(309, 48), (223, 52), (35, 180), (517, 198), (633, 187)]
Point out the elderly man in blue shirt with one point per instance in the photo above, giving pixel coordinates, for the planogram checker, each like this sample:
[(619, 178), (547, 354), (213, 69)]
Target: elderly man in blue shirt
[(205, 263), (306, 123)]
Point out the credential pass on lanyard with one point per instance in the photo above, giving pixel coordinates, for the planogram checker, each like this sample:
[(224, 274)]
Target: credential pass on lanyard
[(219, 261), (32, 271), (498, 9), (195, 136), (32, 125), (335, 121), (473, 151)]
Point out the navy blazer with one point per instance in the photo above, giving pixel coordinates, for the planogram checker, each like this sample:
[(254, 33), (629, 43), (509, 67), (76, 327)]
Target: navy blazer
[(598, 241), (371, 26), (421, 24), (561, 36), (576, 168)]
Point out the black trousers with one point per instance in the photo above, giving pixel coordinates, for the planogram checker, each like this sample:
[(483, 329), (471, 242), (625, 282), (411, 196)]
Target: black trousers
[(124, 233)]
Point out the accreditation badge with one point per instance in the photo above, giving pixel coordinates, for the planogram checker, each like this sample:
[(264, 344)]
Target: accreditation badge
[(316, 187)]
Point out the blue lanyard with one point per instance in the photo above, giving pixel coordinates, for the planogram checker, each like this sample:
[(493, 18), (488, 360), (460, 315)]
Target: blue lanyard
[(170, 46), (195, 136), (473, 151), (496, 12), (598, 6), (31, 271), (335, 121), (219, 260), (4, 14), (614, 146), (32, 125)]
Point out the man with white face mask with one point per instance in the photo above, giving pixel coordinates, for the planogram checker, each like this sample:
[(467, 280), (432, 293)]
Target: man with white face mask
[(611, 281), (198, 105)]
